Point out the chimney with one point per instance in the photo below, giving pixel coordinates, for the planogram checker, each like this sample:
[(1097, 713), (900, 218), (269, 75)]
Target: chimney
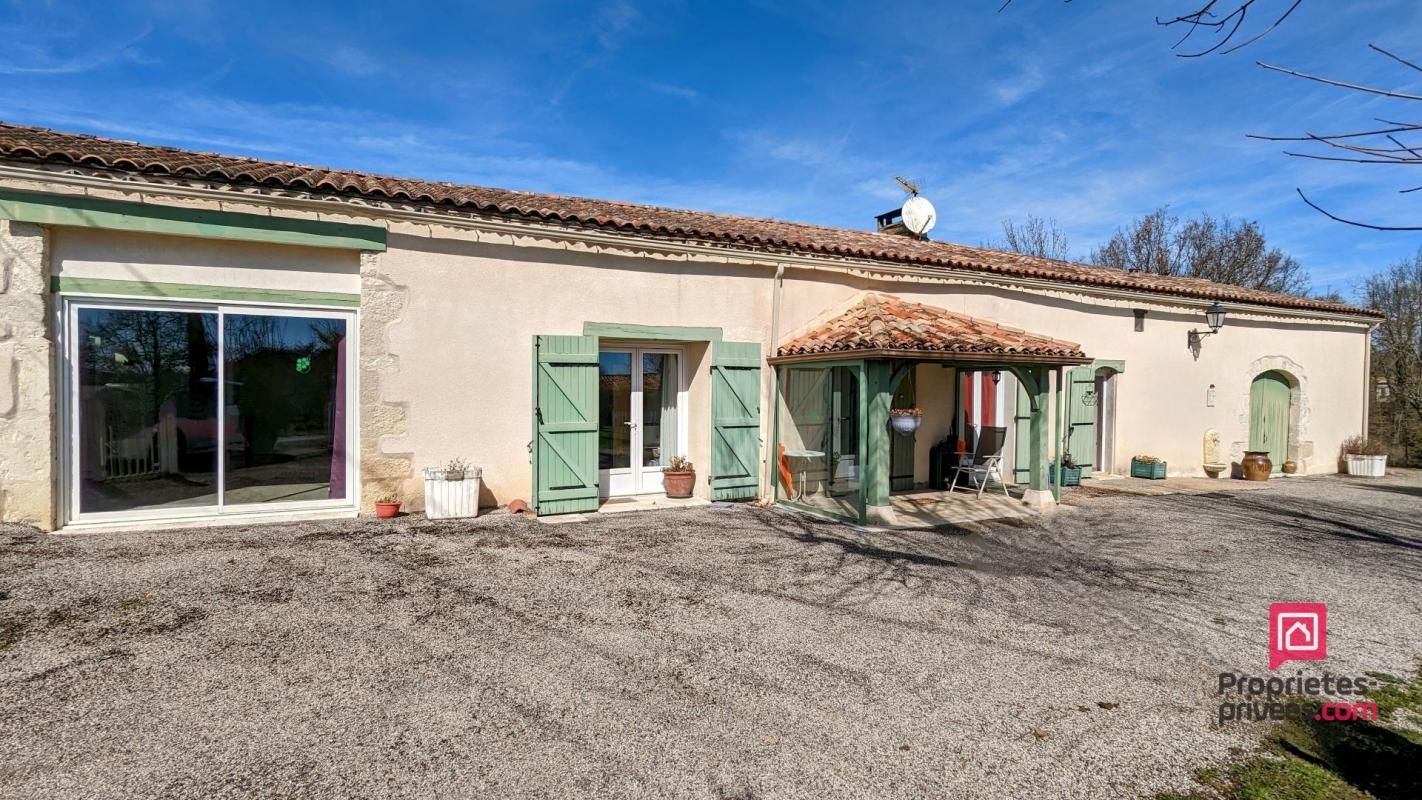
[(893, 222)]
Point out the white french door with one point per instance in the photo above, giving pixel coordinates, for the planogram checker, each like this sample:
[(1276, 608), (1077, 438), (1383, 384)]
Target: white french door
[(176, 409), (640, 420)]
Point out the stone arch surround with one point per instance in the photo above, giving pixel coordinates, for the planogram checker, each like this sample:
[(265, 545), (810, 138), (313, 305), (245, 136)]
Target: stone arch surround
[(1300, 448)]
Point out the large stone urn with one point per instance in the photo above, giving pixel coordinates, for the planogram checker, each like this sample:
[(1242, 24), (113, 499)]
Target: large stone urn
[(1256, 465)]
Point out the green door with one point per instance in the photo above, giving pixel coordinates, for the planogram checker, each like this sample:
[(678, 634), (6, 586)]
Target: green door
[(565, 424), (1269, 417), (901, 446), (735, 420), (1081, 418)]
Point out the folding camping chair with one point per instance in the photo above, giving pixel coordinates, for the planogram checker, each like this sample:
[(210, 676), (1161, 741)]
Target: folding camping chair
[(986, 462)]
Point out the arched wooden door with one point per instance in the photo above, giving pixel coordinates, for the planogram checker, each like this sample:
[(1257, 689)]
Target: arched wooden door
[(1269, 417)]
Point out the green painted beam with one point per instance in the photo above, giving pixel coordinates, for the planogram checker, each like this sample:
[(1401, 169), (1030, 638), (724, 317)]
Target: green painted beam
[(878, 381), (678, 333), (81, 211), (1038, 427), (1113, 364), (193, 291)]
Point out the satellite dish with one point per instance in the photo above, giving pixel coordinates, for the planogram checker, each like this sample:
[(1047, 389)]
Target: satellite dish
[(919, 215)]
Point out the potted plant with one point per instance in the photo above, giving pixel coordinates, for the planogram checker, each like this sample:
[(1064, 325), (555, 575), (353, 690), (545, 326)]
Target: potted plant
[(452, 490), (387, 506), (1365, 457), (1071, 471), (1149, 467), (905, 420), (679, 477)]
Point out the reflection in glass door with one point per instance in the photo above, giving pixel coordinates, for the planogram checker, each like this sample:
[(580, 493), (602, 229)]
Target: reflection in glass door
[(286, 408), (639, 422), (147, 393), (157, 394)]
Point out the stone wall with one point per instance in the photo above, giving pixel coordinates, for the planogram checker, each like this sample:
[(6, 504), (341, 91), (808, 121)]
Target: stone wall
[(384, 468), (27, 450)]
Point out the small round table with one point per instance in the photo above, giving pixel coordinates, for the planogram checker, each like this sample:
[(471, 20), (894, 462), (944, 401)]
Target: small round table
[(802, 454)]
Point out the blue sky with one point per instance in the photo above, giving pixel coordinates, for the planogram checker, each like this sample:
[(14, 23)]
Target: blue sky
[(796, 110)]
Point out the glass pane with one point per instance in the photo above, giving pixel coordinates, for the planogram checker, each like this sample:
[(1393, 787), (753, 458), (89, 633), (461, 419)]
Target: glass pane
[(660, 384), (818, 451), (614, 410), (147, 384), (286, 408)]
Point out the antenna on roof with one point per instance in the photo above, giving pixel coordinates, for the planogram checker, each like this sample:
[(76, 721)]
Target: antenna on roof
[(910, 185)]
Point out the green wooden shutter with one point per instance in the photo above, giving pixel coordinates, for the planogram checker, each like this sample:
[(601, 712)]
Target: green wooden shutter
[(1022, 441), (565, 424), (735, 420), (901, 446), (1081, 418)]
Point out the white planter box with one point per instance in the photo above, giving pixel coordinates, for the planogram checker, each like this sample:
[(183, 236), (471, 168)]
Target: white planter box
[(1366, 466), (450, 499)]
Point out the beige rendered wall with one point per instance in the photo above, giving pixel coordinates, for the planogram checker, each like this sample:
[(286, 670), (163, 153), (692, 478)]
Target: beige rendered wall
[(460, 347), (1162, 396), (112, 255), (27, 433)]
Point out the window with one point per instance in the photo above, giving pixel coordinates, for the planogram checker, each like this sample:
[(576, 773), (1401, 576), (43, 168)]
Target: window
[(178, 411)]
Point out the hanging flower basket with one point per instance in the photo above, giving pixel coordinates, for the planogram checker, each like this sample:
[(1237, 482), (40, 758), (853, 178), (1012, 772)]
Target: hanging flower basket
[(905, 420)]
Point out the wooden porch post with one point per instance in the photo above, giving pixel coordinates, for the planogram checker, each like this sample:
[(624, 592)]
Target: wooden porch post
[(1039, 491), (878, 380)]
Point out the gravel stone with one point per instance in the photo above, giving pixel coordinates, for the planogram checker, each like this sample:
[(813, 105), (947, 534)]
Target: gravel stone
[(711, 652)]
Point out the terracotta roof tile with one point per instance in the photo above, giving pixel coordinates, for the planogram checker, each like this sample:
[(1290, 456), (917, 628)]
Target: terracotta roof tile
[(26, 144), (881, 323)]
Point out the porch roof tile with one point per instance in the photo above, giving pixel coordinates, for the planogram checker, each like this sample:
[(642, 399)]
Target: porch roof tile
[(885, 325)]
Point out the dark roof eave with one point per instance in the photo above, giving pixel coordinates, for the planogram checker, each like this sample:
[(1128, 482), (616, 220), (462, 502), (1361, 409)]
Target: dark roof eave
[(937, 356)]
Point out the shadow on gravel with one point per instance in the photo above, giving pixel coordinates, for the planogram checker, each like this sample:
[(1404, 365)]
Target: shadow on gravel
[(1313, 519)]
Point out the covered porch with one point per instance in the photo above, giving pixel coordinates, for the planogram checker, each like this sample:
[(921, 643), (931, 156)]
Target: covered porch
[(839, 386)]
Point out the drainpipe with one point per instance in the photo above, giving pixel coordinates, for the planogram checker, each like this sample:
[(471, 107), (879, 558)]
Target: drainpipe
[(1060, 405), (767, 482), (1368, 374)]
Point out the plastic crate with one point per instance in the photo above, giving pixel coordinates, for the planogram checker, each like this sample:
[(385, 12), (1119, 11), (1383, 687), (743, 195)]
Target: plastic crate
[(1151, 470), (1071, 476)]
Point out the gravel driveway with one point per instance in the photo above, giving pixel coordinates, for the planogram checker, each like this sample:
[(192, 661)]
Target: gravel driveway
[(731, 653)]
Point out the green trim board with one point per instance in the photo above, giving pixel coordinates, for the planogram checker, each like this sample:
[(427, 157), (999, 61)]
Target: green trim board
[(194, 291), (82, 211), (677, 333)]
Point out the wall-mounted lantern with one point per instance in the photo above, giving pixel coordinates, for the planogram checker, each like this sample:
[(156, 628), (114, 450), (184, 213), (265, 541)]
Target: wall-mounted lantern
[(996, 377), (1215, 319)]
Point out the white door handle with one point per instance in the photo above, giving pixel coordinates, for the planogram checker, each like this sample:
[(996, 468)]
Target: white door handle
[(630, 424)]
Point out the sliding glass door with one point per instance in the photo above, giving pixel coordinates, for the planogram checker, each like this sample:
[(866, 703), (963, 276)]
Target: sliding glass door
[(179, 410)]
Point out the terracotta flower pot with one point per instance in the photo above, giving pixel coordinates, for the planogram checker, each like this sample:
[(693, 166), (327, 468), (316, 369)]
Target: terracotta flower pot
[(1256, 465), (387, 510), (679, 484)]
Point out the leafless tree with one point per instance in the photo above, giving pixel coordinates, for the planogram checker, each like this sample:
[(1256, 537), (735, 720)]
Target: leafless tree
[(1397, 347), (1214, 248), (1034, 236), (1224, 27)]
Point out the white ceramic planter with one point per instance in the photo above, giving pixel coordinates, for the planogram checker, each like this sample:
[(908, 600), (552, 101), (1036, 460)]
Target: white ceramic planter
[(450, 499), (1366, 466)]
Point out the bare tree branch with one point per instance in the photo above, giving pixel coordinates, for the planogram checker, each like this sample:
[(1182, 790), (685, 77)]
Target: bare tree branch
[(1396, 58), (1205, 17), (1398, 127), (1337, 218), (1354, 86)]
